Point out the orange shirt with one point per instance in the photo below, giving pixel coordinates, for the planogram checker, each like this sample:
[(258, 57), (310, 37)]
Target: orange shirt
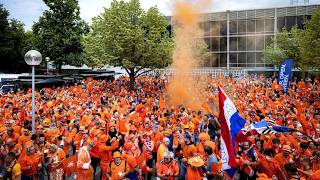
[(193, 173)]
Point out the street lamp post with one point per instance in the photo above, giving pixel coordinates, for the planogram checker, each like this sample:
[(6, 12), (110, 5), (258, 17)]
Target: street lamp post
[(33, 58), (47, 59)]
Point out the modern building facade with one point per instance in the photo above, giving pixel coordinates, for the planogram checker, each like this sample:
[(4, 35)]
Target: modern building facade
[(236, 39)]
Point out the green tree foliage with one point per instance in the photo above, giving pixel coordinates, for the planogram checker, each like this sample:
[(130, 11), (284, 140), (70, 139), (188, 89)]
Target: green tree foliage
[(302, 45), (58, 32), (127, 36), (285, 45), (310, 42), (11, 40)]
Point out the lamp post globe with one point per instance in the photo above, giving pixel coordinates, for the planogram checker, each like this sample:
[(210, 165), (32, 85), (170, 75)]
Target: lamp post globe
[(33, 58)]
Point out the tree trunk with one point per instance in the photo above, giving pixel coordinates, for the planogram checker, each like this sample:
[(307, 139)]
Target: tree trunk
[(303, 74), (59, 67), (132, 82), (132, 79)]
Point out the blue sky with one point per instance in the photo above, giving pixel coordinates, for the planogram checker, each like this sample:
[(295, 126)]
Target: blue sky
[(29, 11)]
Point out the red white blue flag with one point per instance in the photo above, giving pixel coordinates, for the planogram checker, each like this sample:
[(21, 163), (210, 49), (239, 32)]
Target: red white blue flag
[(231, 124)]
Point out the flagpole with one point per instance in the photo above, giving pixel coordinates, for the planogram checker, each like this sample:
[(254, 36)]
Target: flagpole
[(316, 144)]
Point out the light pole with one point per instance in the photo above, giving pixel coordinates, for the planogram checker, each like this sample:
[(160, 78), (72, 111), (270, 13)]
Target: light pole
[(33, 58), (47, 59)]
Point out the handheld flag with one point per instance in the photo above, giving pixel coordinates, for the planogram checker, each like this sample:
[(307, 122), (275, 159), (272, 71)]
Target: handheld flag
[(231, 124), (285, 73)]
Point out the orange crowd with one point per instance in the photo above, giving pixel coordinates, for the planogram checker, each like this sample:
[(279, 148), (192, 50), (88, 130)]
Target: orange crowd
[(102, 130)]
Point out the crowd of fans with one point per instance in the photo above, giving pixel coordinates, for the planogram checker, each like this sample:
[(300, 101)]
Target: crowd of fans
[(101, 130)]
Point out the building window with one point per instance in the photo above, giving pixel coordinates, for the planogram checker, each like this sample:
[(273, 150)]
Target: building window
[(260, 25), (233, 27), (259, 42), (233, 43), (223, 28), (259, 58), (206, 28), (223, 60), (251, 26), (242, 58), (223, 44), (290, 22), (281, 23), (269, 25), (214, 44), (215, 28), (215, 59), (250, 43), (242, 27), (233, 58), (251, 58), (242, 46)]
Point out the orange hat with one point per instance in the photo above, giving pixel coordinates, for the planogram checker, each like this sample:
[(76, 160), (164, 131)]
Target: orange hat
[(196, 161), (103, 138), (168, 132), (204, 136), (46, 122), (82, 128), (116, 154), (286, 148)]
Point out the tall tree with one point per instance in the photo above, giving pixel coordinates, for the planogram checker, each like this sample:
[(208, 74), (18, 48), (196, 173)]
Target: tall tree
[(127, 36), (285, 45), (310, 42), (59, 31), (11, 40)]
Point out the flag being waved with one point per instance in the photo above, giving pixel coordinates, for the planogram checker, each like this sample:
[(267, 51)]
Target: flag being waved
[(231, 124)]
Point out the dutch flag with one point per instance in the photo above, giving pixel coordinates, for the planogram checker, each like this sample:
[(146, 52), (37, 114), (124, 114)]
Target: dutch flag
[(231, 124)]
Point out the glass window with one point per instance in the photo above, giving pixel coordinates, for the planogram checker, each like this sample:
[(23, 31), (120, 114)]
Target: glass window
[(223, 28), (251, 58), (233, 27), (206, 28), (251, 26), (259, 57), (215, 60), (269, 25), (250, 43), (242, 58), (214, 44), (233, 43), (242, 65), (242, 44), (260, 25), (233, 65), (223, 60), (215, 28), (290, 21), (242, 26), (300, 20), (281, 23), (223, 44), (233, 58), (259, 42)]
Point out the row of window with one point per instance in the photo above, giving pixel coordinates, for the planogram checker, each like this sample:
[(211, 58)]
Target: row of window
[(219, 28), (240, 59), (242, 43)]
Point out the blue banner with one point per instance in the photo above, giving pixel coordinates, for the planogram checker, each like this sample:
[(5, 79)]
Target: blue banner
[(285, 74)]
